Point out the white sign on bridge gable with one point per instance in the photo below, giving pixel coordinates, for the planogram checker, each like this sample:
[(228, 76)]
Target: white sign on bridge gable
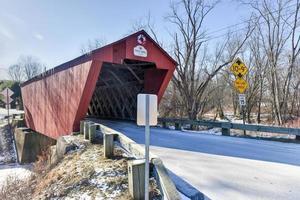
[(140, 51)]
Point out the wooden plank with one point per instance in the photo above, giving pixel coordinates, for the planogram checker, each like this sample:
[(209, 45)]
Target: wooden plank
[(165, 183)]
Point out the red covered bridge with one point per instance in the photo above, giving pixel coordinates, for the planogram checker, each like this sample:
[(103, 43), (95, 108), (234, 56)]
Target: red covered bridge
[(103, 83)]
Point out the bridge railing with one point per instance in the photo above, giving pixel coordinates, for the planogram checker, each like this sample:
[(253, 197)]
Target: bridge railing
[(226, 126)]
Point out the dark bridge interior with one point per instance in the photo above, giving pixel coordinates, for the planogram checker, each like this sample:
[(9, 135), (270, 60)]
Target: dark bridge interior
[(115, 95)]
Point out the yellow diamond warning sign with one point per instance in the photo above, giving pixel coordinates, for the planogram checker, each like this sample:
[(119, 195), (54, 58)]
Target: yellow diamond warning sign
[(241, 85), (238, 68)]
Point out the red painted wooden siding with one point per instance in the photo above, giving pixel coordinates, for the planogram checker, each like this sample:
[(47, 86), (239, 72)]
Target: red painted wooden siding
[(55, 103)]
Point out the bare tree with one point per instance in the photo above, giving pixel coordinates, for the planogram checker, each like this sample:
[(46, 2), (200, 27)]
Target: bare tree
[(193, 72), (294, 54), (31, 66), (92, 45), (257, 85), (15, 72), (146, 23), (275, 31)]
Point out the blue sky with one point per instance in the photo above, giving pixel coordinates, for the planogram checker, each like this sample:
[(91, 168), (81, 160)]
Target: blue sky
[(54, 31)]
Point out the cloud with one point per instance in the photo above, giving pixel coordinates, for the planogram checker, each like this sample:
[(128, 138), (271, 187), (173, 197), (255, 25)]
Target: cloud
[(6, 33), (38, 36), (13, 18)]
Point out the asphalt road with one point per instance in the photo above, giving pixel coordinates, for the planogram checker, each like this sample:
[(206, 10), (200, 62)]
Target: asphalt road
[(225, 167)]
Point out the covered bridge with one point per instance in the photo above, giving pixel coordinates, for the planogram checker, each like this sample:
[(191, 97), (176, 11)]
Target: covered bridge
[(103, 83)]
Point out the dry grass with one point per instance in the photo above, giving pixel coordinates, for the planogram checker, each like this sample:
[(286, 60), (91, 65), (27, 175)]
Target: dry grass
[(86, 172), (83, 173), (17, 189)]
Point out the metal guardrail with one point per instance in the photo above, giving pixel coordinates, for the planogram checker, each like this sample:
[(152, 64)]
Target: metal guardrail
[(226, 126), (166, 185)]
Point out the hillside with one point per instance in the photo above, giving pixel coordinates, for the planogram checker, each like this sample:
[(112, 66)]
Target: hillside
[(82, 174)]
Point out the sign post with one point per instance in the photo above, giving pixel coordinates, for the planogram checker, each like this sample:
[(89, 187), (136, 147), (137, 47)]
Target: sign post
[(239, 69), (147, 116), (7, 93)]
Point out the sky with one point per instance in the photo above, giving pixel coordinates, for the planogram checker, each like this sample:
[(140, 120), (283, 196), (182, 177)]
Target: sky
[(54, 31)]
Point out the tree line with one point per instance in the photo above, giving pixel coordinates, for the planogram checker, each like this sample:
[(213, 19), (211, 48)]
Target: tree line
[(268, 43)]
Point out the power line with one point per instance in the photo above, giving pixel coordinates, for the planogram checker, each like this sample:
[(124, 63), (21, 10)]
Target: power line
[(240, 23), (247, 21), (234, 31)]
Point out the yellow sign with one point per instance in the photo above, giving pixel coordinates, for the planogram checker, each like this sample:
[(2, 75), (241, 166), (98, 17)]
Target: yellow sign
[(241, 85), (238, 68)]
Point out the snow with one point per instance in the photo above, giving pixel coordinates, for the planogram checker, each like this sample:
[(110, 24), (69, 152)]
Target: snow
[(212, 131), (7, 150), (224, 167), (14, 170), (8, 167), (3, 112)]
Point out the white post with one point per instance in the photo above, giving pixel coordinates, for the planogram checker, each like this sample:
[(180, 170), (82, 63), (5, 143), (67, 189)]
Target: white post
[(147, 143), (147, 116)]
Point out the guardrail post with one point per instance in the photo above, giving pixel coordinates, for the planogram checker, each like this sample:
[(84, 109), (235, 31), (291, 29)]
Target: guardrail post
[(92, 133), (164, 124), (177, 126), (86, 130), (108, 145), (226, 129), (136, 179), (81, 127)]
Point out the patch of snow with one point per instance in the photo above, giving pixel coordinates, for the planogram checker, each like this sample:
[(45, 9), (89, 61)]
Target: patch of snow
[(213, 131), (82, 196), (3, 111), (14, 170)]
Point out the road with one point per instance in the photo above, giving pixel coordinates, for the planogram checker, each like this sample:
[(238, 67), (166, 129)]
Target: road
[(225, 168)]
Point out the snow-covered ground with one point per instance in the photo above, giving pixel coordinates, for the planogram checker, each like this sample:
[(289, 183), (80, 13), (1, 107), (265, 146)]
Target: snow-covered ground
[(3, 112), (225, 167), (14, 171), (8, 167), (7, 151)]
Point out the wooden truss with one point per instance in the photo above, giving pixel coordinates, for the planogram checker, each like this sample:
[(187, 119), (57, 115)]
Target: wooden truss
[(115, 96)]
